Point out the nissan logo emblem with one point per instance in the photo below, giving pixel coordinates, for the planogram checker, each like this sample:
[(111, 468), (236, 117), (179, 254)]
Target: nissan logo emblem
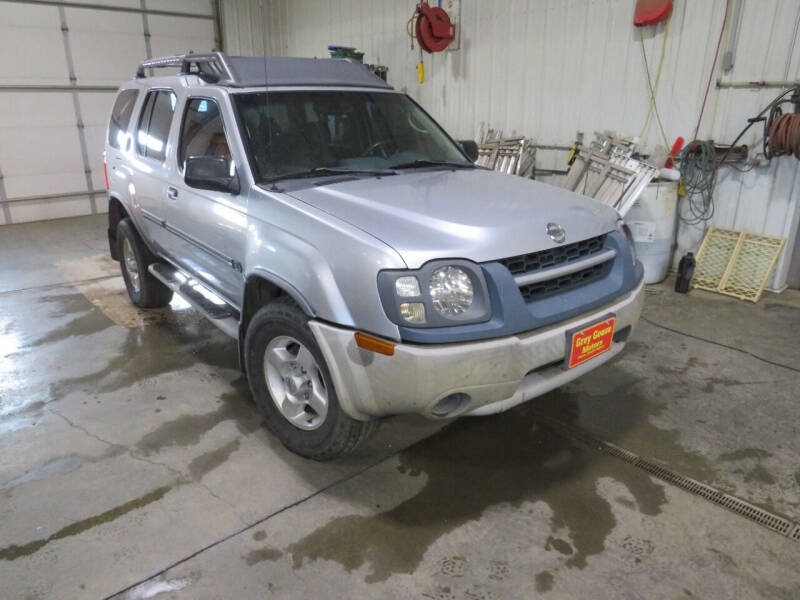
[(556, 233)]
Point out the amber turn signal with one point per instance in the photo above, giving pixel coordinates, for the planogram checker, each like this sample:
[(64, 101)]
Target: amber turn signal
[(374, 344)]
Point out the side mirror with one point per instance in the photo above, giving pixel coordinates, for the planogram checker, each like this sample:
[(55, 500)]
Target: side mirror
[(211, 173), (470, 148)]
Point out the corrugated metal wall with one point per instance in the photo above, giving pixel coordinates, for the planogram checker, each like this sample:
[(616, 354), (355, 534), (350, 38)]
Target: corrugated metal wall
[(549, 68)]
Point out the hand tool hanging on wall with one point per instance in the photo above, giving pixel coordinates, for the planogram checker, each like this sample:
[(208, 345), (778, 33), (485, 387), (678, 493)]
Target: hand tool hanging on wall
[(575, 148), (433, 31)]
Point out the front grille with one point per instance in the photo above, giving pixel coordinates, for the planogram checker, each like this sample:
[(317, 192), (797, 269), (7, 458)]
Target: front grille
[(536, 261), (540, 289)]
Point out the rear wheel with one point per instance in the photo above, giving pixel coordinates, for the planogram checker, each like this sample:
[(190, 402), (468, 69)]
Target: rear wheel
[(292, 385), (144, 290)]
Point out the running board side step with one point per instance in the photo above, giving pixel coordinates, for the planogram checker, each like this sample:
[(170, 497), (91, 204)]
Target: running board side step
[(214, 308)]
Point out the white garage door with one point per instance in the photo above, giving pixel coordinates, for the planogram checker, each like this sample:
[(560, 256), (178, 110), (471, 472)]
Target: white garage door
[(60, 64)]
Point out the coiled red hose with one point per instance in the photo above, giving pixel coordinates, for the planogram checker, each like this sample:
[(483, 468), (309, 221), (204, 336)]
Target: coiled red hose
[(784, 135)]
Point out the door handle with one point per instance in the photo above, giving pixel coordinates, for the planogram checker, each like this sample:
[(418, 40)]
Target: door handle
[(172, 193)]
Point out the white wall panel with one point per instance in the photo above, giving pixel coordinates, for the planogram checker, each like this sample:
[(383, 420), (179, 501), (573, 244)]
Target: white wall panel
[(196, 7), (31, 45), (23, 212), (177, 35), (104, 44), (243, 28), (549, 68), (118, 3), (40, 141), (39, 150)]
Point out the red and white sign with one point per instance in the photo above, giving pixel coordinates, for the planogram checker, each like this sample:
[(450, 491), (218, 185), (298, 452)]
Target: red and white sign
[(590, 341)]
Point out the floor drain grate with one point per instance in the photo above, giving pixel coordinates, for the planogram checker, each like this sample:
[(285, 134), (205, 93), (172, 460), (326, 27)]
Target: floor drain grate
[(741, 507), (796, 533)]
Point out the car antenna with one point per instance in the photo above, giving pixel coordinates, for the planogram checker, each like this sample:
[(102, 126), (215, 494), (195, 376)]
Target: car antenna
[(268, 149)]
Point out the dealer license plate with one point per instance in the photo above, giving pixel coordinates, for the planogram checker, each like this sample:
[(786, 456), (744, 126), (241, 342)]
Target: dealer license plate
[(590, 341)]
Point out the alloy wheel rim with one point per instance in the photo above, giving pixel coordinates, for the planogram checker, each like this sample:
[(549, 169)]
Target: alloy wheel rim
[(131, 266), (295, 383)]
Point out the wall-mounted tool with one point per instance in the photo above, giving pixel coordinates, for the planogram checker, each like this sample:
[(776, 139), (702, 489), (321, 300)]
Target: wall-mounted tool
[(433, 29), (782, 130), (575, 148)]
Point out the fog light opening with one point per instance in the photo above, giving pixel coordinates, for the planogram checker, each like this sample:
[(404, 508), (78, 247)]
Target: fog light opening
[(450, 404), (622, 335)]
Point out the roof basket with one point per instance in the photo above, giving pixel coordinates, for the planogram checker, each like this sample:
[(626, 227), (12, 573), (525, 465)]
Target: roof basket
[(213, 67)]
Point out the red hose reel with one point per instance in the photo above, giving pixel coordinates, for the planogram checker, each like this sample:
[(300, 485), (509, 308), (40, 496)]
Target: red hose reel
[(434, 29)]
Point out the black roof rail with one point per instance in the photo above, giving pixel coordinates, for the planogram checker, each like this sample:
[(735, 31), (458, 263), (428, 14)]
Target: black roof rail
[(213, 67)]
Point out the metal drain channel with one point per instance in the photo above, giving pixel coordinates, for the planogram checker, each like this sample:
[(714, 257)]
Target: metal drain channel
[(776, 523)]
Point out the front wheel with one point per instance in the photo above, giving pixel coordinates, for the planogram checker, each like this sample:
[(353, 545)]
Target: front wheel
[(292, 386)]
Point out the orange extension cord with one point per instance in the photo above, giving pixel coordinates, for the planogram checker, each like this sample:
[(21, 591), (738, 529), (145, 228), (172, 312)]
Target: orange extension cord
[(784, 135)]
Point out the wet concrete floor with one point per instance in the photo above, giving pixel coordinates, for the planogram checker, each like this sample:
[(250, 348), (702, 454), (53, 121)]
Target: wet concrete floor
[(133, 462)]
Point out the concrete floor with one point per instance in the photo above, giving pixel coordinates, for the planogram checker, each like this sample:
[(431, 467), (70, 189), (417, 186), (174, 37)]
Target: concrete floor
[(133, 464)]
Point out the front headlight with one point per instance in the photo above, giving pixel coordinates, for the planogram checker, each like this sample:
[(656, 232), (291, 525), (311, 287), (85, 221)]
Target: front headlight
[(451, 291), (626, 231), (441, 293)]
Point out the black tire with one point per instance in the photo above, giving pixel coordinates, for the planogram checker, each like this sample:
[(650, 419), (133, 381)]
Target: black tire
[(151, 293), (338, 433)]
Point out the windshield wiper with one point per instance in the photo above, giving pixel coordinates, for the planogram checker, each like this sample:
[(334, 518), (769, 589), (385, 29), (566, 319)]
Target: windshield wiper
[(323, 171), (422, 162)]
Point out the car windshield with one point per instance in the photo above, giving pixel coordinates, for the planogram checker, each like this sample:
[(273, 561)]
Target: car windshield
[(325, 132)]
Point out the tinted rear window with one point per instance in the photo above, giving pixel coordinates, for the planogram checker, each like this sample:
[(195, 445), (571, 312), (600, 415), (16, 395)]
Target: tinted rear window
[(154, 124), (121, 117)]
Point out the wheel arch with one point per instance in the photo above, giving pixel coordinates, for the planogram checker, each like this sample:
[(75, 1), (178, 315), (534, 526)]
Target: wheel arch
[(261, 287)]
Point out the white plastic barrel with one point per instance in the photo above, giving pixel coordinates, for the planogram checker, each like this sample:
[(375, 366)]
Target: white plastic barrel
[(653, 223)]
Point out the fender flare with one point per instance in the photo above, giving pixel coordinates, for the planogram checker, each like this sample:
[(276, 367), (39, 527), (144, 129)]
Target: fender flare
[(127, 213), (120, 213), (280, 283), (283, 284)]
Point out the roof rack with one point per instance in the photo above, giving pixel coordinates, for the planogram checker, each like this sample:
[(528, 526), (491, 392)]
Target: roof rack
[(247, 71), (213, 67)]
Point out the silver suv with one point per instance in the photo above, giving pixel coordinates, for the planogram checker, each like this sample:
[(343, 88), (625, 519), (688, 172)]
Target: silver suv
[(365, 265)]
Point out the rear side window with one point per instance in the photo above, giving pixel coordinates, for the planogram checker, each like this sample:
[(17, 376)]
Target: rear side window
[(154, 123), (121, 117), (202, 132)]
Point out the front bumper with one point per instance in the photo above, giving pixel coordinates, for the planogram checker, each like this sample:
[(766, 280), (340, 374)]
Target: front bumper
[(496, 374)]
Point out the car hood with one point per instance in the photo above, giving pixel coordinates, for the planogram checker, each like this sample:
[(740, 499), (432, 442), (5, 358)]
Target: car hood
[(475, 214)]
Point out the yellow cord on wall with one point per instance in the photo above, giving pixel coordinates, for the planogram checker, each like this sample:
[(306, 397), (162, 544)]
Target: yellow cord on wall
[(653, 87), (421, 71)]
